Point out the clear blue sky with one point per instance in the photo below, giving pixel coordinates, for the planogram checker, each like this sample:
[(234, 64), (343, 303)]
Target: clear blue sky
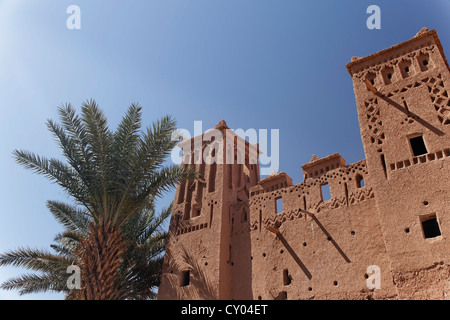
[(255, 63)]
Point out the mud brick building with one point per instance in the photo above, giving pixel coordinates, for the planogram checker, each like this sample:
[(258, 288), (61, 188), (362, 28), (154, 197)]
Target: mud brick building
[(234, 236)]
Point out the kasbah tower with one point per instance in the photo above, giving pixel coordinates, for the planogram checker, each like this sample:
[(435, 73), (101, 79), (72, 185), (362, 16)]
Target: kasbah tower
[(384, 232)]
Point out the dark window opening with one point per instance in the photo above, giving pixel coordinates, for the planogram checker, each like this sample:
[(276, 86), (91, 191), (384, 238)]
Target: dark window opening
[(424, 61), (325, 192), (286, 277), (244, 216), (371, 78), (383, 163), (260, 219), (181, 192), (187, 213), (185, 278), (387, 74), (279, 204), (405, 68), (430, 226), (418, 146)]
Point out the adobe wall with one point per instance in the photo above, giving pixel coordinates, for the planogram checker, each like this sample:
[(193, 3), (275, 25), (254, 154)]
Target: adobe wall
[(327, 255), (205, 224), (414, 102), (228, 232), (193, 246)]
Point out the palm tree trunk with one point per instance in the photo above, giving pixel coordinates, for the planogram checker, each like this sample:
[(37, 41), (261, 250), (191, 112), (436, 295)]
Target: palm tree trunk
[(99, 258)]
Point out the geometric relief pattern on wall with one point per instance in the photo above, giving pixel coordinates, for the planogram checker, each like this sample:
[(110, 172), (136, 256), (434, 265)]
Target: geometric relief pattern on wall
[(360, 195), (278, 220), (344, 174), (439, 98), (438, 95), (374, 122)]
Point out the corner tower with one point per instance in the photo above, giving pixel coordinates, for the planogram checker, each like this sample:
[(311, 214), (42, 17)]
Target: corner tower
[(206, 214), (402, 98)]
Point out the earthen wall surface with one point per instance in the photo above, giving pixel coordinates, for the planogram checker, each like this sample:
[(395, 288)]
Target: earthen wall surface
[(235, 242)]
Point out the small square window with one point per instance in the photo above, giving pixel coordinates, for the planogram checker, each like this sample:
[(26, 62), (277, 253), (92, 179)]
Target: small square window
[(430, 226), (405, 68), (387, 74), (418, 146), (185, 278)]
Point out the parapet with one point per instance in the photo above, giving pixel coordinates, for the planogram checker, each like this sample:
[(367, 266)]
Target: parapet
[(271, 183), (422, 38), (319, 166)]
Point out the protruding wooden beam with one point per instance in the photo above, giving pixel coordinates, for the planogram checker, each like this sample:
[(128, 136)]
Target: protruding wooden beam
[(370, 86), (274, 230), (307, 212)]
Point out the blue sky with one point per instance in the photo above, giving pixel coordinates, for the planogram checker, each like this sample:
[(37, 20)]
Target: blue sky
[(262, 64)]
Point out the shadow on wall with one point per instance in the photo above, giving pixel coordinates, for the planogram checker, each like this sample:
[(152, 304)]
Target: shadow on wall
[(295, 256), (410, 114), (330, 238), (199, 287)]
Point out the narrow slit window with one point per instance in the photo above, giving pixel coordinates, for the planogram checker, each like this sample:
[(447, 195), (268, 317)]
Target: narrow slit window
[(244, 217), (430, 226), (418, 146), (383, 163), (286, 277), (279, 204), (325, 192)]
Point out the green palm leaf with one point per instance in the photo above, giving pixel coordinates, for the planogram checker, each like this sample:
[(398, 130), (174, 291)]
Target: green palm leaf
[(114, 179)]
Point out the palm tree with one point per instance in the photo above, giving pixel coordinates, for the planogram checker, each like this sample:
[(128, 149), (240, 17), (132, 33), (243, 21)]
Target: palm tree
[(112, 231)]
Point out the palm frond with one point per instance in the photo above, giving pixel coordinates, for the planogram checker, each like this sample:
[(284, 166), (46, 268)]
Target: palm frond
[(34, 283), (72, 218), (56, 171), (126, 138), (154, 225), (34, 260), (76, 130), (115, 179), (151, 151), (165, 179), (99, 142)]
